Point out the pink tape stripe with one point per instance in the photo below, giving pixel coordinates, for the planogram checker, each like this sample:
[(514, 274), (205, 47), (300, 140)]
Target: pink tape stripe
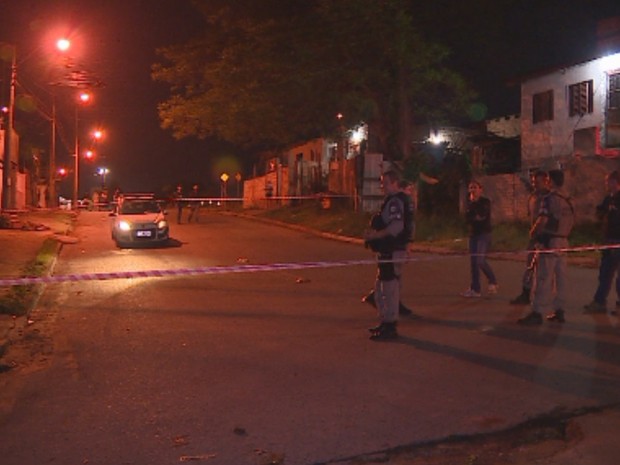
[(213, 270)]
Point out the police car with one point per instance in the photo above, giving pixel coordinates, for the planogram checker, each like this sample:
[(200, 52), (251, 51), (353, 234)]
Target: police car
[(139, 220)]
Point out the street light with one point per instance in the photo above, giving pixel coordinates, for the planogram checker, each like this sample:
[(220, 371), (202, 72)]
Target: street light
[(103, 172), (83, 98)]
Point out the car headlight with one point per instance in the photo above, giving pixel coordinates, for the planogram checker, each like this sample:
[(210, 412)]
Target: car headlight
[(163, 224), (124, 226)]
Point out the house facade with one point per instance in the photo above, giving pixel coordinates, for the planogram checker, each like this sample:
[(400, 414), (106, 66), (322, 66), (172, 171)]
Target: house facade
[(570, 113)]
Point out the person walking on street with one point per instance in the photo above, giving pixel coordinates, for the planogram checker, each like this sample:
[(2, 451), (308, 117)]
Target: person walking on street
[(540, 189), (194, 207), (478, 218), (609, 213), (550, 232), (177, 196), (406, 194), (388, 239)]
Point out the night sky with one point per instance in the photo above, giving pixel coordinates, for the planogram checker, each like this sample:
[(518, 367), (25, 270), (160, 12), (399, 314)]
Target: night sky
[(116, 40)]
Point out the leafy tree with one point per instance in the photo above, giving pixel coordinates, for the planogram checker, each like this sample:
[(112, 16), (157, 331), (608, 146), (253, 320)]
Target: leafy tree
[(266, 74)]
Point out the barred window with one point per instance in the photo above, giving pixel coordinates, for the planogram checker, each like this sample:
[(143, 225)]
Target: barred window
[(542, 107), (580, 98), (614, 91), (612, 127)]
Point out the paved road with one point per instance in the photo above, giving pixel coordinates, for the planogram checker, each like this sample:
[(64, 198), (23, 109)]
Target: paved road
[(247, 369)]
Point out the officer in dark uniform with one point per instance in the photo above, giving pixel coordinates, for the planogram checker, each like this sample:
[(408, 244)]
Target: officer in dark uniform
[(389, 239), (609, 212), (407, 196)]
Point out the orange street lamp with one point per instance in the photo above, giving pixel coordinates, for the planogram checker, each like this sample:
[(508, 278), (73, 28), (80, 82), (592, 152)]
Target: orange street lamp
[(83, 98), (63, 44)]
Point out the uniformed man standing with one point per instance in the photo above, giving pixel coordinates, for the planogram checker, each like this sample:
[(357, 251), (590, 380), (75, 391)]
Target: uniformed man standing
[(540, 186), (389, 239), (408, 195), (609, 213), (550, 231)]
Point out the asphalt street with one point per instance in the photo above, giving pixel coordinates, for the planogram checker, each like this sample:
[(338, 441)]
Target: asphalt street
[(239, 369)]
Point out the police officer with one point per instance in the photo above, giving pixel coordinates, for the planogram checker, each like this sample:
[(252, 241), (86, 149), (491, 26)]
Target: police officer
[(550, 232), (540, 189), (609, 212), (389, 240), (407, 194)]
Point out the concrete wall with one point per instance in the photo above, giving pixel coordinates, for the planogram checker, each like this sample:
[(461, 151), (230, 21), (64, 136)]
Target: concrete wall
[(255, 191), (584, 183)]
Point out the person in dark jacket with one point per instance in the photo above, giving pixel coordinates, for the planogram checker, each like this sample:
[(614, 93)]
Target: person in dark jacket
[(609, 212), (478, 218)]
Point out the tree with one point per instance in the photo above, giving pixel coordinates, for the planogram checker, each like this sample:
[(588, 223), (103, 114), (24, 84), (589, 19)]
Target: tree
[(275, 73)]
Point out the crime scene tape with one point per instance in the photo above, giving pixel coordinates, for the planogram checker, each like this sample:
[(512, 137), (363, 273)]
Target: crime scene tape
[(205, 270), (250, 268)]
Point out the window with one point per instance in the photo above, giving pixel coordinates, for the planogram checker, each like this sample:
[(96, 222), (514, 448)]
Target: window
[(543, 107), (614, 92), (580, 98), (612, 136)]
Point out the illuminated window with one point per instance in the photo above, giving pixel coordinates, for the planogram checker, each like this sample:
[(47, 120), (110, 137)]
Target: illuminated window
[(580, 98), (542, 107)]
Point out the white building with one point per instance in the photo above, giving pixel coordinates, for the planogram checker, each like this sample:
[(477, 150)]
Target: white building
[(571, 112)]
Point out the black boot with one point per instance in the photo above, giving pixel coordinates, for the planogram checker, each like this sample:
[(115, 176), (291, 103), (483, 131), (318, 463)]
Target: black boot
[(523, 298), (387, 332)]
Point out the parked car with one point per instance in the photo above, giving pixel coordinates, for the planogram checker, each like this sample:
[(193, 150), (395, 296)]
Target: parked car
[(139, 220)]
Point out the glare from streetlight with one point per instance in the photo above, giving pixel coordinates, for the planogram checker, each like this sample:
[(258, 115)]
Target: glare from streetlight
[(98, 134), (63, 44), (85, 97)]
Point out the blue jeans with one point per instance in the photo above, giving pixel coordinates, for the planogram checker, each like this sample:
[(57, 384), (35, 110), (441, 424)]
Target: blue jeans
[(478, 247), (610, 261)]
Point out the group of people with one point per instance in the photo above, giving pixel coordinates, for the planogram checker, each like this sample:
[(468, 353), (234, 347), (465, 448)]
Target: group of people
[(180, 200), (545, 283)]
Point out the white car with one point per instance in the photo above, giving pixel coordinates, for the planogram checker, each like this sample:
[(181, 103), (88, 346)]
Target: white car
[(139, 220)]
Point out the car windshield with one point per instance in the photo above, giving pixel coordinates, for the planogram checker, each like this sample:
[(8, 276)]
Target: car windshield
[(138, 207)]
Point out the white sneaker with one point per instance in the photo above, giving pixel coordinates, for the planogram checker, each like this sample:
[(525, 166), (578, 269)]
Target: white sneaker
[(493, 288), (470, 293)]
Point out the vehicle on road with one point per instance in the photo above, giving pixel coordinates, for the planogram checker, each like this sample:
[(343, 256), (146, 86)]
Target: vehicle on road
[(139, 220)]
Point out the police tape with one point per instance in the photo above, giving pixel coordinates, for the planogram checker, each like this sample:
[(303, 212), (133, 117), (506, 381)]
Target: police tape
[(204, 270), (251, 268)]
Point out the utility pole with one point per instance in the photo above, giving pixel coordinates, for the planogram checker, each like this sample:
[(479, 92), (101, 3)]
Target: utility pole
[(7, 169), (52, 168)]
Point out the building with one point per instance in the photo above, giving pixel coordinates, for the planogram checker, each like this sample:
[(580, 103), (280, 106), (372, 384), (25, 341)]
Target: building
[(571, 112)]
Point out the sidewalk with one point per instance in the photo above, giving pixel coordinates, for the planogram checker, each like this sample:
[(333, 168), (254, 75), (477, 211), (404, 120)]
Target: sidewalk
[(20, 246), (590, 438)]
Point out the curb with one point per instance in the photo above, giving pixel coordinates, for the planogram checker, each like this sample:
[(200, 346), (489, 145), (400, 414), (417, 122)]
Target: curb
[(23, 320)]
